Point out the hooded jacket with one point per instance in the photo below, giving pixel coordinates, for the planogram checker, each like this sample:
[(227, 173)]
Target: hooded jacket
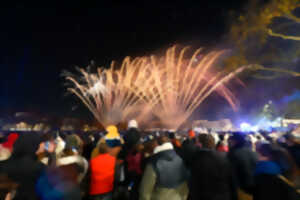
[(23, 166)]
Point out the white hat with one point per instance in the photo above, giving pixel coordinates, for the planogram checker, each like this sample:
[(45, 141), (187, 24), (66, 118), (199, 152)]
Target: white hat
[(132, 124)]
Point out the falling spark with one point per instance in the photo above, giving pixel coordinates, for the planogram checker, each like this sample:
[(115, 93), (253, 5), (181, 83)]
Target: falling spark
[(182, 84)]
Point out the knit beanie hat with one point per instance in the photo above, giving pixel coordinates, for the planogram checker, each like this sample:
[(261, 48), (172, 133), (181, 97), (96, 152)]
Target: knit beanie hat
[(192, 134), (11, 138), (132, 124), (112, 138)]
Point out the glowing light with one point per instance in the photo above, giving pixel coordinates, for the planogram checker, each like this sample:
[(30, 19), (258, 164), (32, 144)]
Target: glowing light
[(98, 87), (255, 128), (245, 127)]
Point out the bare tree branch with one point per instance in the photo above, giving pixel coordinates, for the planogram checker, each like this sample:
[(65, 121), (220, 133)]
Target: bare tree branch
[(274, 69), (292, 17), (286, 37)]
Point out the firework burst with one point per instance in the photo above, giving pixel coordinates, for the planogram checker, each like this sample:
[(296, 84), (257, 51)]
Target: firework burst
[(170, 87)]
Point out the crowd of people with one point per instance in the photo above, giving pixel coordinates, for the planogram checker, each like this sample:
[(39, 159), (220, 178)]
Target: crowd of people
[(150, 165)]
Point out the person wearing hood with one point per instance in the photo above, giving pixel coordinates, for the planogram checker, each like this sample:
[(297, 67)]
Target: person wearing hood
[(165, 176), (23, 167), (272, 175)]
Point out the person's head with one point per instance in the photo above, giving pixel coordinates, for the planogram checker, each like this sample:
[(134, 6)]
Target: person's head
[(221, 138), (171, 135), (191, 134), (74, 144), (238, 139), (139, 147), (28, 144), (132, 137), (132, 124), (103, 147), (150, 145), (265, 151), (162, 139), (113, 138), (293, 137), (207, 141)]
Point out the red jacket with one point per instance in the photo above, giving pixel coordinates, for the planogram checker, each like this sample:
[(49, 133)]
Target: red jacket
[(102, 174), (134, 163)]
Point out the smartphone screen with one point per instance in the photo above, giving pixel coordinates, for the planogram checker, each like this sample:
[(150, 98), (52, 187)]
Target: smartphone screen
[(74, 150), (46, 145)]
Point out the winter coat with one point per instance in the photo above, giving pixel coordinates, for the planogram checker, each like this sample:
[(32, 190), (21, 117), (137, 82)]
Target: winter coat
[(134, 161), (102, 169), (243, 161), (211, 177), (23, 167), (131, 138), (187, 151), (270, 184), (56, 184), (165, 176), (75, 167), (295, 153)]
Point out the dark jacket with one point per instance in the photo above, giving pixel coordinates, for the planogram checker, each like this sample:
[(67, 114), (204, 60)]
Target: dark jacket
[(131, 138), (211, 177), (295, 153), (243, 161), (23, 167), (270, 184), (188, 150)]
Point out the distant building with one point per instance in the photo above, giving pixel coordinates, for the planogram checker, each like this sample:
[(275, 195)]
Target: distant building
[(287, 122), (222, 125)]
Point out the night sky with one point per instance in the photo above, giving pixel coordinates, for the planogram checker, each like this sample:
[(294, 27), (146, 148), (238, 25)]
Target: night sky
[(38, 41)]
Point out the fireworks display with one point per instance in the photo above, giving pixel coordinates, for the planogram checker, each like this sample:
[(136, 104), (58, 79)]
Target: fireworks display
[(166, 89)]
